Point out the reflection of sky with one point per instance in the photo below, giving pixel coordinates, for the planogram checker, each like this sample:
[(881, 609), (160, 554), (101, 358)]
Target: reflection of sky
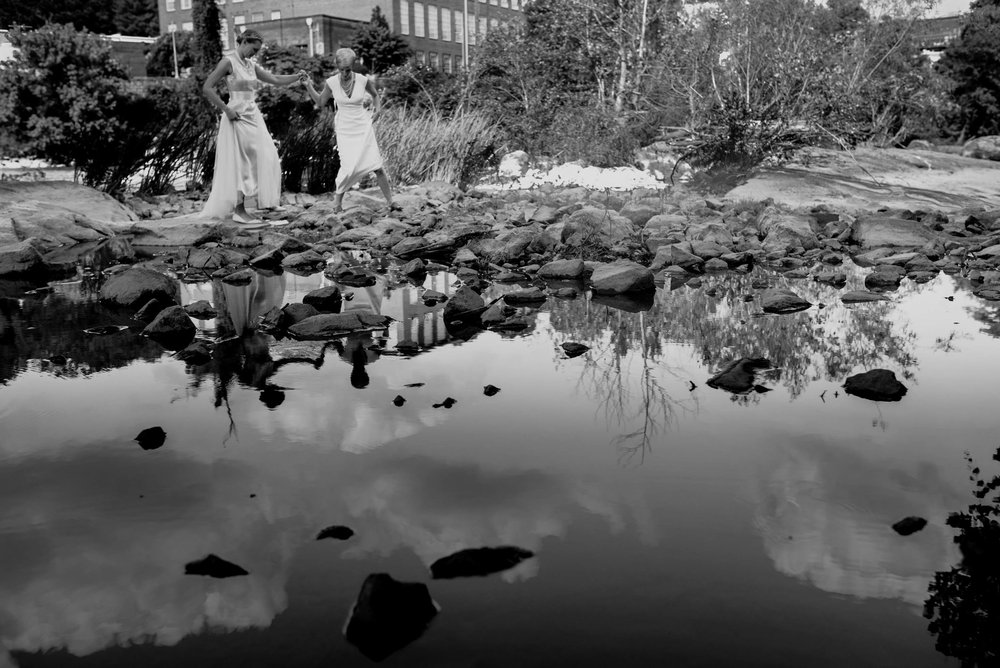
[(740, 516)]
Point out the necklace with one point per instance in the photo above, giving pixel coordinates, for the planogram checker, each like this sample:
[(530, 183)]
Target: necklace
[(347, 85)]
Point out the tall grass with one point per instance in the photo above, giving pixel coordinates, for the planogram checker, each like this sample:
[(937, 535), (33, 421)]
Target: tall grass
[(421, 145)]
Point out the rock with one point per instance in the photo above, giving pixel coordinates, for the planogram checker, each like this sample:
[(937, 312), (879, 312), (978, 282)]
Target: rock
[(716, 264), (337, 532), (308, 260), (152, 438), (478, 562), (172, 326), (861, 297), (510, 277), (565, 293), (388, 615), (355, 277), (463, 303), (784, 231), (885, 277), (200, 310), (410, 247), (296, 313), (269, 259), (415, 268), (325, 300), (332, 325), (830, 277), (678, 255), (398, 400), (983, 148), (136, 286), (620, 278), (562, 269), (879, 232), (214, 567), (591, 226), (214, 258), (909, 525), (777, 300), (573, 349), (21, 258), (639, 212), (241, 277), (876, 385), (197, 353), (532, 296), (59, 213), (989, 293), (708, 250), (490, 390), (739, 376), (447, 403), (151, 309)]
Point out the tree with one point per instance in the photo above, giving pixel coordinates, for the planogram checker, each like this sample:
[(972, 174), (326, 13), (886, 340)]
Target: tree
[(972, 62), (60, 96), (207, 39), (160, 59), (377, 46), (136, 17), (94, 15)]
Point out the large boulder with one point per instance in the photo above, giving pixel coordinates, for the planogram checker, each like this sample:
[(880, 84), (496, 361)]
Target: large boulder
[(463, 302), (984, 148), (785, 231), (388, 615), (594, 226), (562, 269), (877, 385), (332, 325), (20, 258), (327, 299), (778, 300), (621, 277), (136, 286), (513, 165), (884, 232), (171, 326)]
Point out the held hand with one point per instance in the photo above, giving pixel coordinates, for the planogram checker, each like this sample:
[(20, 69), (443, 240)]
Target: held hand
[(232, 115)]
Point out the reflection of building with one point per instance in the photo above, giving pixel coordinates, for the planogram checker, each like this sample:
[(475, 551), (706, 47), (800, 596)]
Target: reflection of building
[(415, 321), (435, 30)]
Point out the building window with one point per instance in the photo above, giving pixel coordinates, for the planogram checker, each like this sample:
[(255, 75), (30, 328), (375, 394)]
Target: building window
[(434, 61), (446, 24), (458, 63), (494, 2), (187, 25), (256, 17), (432, 21), (419, 19), (185, 4), (275, 14), (420, 56), (446, 62), (515, 4), (472, 30), (458, 27), (171, 5), (404, 17), (505, 3), (239, 19)]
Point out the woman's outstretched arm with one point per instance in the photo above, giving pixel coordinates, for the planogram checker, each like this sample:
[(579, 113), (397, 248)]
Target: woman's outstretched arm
[(276, 79), (320, 99)]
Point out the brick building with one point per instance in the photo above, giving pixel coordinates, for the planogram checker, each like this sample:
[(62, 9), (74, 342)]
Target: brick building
[(435, 29)]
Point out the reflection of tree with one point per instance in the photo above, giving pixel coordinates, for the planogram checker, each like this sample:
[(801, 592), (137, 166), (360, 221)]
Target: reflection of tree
[(989, 315), (964, 603)]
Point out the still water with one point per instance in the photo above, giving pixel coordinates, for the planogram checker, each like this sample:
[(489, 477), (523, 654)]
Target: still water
[(670, 524)]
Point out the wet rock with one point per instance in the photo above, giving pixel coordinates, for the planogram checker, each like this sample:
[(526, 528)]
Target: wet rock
[(621, 278), (22, 257), (909, 525), (198, 353), (490, 390), (532, 296), (410, 247), (136, 286), (269, 259), (989, 293), (784, 231), (415, 269), (862, 296), (295, 313), (565, 293), (497, 313), (464, 303), (677, 255), (214, 567), (326, 300), (151, 309), (885, 277), (172, 324), (510, 277), (447, 403), (716, 264), (240, 277), (337, 532), (308, 260), (398, 400), (388, 615), (831, 277), (478, 562), (431, 297), (876, 385), (777, 300), (739, 376), (200, 310), (332, 325), (152, 438), (573, 349), (879, 232), (983, 148)]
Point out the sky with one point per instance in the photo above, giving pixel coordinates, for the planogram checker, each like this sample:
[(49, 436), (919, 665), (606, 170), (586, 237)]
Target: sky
[(950, 7)]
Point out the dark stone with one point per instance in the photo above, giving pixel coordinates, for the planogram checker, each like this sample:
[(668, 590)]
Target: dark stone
[(831, 277), (337, 532), (197, 353), (200, 310), (355, 277), (308, 260), (270, 259), (274, 320), (325, 300), (557, 269), (296, 313), (414, 385), (739, 375), (782, 301), (565, 293), (573, 349), (331, 325), (399, 400), (478, 562), (172, 326), (909, 525), (214, 567), (388, 615), (490, 390), (885, 277), (532, 296), (151, 309), (415, 268), (876, 385), (152, 438), (465, 303), (861, 297), (240, 277), (136, 286), (447, 403), (272, 396)]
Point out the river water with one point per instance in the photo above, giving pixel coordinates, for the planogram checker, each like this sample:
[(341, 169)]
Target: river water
[(671, 523)]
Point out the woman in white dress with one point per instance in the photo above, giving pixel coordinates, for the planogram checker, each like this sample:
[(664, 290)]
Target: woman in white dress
[(352, 122), (246, 160)]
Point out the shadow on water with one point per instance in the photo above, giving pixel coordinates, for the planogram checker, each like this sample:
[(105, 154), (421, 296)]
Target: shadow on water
[(964, 602)]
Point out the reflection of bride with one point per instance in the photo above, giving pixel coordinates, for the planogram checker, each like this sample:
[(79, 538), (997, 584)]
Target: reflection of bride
[(245, 303), (356, 349)]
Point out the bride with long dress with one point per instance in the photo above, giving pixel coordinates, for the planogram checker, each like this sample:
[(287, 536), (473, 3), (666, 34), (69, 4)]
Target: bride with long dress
[(246, 160), (352, 122)]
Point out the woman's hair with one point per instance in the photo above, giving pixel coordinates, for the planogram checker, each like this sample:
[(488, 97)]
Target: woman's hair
[(345, 53), (249, 36)]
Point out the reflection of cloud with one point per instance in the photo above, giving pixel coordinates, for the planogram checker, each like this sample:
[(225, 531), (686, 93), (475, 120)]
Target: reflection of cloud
[(437, 509), (91, 569), (825, 515)]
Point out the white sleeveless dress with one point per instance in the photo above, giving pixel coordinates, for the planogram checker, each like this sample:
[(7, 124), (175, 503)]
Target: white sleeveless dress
[(356, 145), (246, 160)]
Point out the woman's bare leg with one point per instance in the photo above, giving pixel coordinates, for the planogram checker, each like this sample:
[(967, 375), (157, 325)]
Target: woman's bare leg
[(383, 184), (338, 202)]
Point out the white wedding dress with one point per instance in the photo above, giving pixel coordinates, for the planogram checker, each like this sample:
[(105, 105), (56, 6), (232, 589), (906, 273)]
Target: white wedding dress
[(356, 145), (246, 160)]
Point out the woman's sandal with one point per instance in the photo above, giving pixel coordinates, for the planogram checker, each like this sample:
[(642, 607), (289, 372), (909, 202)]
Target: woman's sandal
[(248, 223)]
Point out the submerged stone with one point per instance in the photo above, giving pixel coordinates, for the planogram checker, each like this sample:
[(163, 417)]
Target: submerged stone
[(573, 349), (490, 390), (337, 532), (331, 325), (909, 525), (861, 297), (876, 385), (214, 567), (138, 285), (172, 325), (388, 615), (151, 438), (478, 562), (782, 301)]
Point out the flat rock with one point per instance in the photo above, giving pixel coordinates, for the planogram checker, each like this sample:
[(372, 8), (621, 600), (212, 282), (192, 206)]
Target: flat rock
[(200, 310), (137, 285), (621, 278), (478, 562), (214, 567), (332, 325), (861, 297), (779, 301), (562, 269), (739, 376), (876, 385), (21, 258), (879, 232)]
